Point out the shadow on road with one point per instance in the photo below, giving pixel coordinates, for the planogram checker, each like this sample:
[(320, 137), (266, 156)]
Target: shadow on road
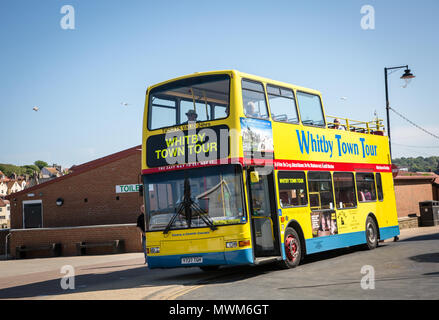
[(433, 236), (329, 254), (428, 257)]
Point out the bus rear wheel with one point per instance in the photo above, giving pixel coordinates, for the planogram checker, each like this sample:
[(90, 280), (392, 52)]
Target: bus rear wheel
[(371, 233), (293, 249)]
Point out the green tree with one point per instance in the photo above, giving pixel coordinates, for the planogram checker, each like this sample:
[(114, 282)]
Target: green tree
[(31, 168), (419, 164), (40, 164)]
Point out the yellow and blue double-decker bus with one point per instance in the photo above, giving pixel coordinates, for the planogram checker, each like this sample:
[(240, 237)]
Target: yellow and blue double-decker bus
[(239, 169)]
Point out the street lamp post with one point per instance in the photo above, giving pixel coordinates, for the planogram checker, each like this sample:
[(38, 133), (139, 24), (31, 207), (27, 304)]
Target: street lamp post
[(407, 75)]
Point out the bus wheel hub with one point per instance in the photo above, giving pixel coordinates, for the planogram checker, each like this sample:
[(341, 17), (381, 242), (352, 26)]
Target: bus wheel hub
[(291, 246)]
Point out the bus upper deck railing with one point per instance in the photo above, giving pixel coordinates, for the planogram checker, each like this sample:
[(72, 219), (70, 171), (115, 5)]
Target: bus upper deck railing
[(371, 127)]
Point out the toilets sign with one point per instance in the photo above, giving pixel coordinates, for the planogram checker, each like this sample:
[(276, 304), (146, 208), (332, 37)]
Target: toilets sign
[(126, 188)]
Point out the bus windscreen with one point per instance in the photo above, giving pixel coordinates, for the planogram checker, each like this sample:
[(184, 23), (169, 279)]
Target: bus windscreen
[(202, 197)]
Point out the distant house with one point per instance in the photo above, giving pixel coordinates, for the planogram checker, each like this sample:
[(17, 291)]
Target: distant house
[(3, 184), (23, 182), (5, 214), (57, 167), (13, 186), (3, 188), (50, 172)]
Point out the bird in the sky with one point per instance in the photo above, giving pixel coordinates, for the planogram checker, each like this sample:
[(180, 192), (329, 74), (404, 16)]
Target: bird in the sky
[(35, 108), (125, 104)]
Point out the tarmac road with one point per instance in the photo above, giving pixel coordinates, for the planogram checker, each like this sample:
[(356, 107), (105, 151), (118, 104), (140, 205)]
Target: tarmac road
[(408, 269)]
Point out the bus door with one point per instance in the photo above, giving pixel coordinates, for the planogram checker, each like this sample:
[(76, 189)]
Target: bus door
[(264, 219)]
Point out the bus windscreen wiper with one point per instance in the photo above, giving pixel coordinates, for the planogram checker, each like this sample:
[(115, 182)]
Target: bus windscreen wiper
[(188, 206)]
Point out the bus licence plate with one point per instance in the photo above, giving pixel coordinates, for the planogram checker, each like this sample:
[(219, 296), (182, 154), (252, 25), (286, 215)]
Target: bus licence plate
[(190, 260)]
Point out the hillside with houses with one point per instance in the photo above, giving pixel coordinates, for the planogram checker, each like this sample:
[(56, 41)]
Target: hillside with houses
[(17, 178)]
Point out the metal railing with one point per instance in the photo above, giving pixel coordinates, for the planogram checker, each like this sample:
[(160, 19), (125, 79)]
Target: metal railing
[(370, 127)]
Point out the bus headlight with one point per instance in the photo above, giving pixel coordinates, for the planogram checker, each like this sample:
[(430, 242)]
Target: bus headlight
[(231, 244)]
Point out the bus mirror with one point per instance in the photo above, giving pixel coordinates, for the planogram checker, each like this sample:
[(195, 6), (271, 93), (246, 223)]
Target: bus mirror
[(254, 177)]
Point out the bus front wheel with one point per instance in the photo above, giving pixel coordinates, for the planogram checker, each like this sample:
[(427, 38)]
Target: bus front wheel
[(293, 249)]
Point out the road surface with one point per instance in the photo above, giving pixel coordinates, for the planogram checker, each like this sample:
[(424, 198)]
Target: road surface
[(408, 269)]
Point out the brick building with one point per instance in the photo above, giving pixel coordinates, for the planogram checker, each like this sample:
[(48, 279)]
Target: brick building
[(81, 206), (412, 189)]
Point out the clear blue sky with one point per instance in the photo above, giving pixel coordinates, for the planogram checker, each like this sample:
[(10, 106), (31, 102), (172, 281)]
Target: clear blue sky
[(78, 78)]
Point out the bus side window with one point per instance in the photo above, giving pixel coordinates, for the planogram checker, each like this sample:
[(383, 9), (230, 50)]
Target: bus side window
[(344, 187), (379, 187), (292, 189), (320, 190), (366, 187)]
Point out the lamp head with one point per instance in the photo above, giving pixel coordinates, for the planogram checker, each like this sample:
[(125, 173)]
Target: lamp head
[(407, 75)]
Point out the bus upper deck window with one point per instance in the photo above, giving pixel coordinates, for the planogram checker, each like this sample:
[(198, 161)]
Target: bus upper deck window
[(310, 108), (163, 112), (202, 98), (282, 104), (253, 99)]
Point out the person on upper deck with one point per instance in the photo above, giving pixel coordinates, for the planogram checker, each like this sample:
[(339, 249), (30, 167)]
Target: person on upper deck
[(250, 110), (191, 116), (337, 125)]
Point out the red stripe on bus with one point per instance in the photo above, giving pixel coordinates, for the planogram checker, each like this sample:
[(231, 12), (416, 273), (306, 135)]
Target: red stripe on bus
[(280, 165), (330, 166)]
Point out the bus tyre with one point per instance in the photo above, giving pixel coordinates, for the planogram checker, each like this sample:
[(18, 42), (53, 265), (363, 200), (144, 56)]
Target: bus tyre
[(371, 233), (293, 249)]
